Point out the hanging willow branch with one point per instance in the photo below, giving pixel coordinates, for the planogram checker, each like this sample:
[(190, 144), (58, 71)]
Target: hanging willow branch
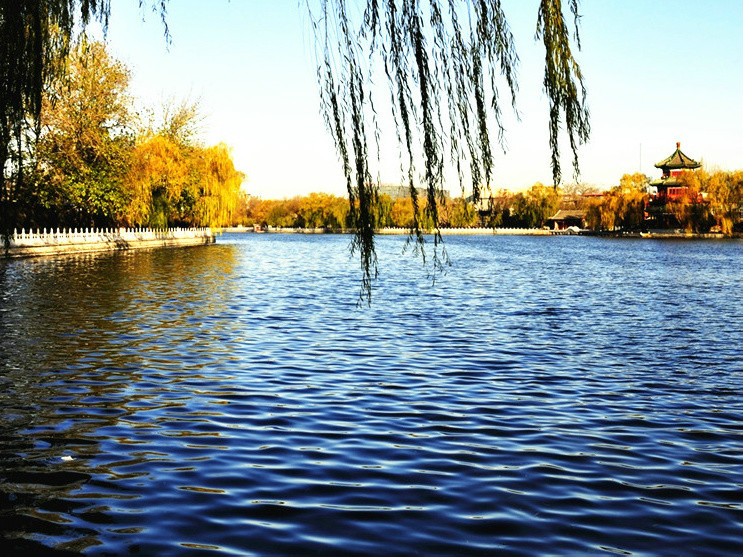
[(562, 77), (443, 61)]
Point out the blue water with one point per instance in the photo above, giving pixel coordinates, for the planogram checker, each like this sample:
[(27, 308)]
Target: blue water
[(547, 396)]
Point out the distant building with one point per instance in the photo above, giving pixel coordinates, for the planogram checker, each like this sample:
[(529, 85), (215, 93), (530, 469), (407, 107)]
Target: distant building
[(565, 218), (401, 192), (669, 188)]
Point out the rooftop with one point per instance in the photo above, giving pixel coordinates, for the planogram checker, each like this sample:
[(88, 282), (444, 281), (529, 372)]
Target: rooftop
[(678, 160), (568, 214)]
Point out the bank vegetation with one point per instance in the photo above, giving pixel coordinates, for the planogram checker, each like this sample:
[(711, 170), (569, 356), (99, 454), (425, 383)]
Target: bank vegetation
[(528, 209), (90, 159), (710, 202)]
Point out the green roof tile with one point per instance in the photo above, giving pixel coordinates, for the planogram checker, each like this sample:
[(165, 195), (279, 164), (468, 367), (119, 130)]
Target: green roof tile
[(678, 160)]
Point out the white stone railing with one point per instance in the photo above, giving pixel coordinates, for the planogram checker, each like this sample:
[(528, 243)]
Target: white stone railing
[(72, 236)]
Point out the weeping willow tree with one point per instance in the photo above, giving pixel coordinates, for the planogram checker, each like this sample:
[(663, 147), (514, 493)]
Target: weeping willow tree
[(35, 38), (443, 61)]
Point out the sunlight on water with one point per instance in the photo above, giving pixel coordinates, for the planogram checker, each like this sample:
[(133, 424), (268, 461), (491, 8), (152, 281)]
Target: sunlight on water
[(562, 396)]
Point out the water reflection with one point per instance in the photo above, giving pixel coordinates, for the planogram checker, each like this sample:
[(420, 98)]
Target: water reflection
[(545, 397), (78, 332)]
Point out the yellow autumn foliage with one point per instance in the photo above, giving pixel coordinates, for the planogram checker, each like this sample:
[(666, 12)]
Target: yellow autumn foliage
[(175, 184), (623, 207), (218, 185)]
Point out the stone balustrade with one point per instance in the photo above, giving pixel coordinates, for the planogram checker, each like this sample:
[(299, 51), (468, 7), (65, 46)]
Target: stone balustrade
[(72, 240)]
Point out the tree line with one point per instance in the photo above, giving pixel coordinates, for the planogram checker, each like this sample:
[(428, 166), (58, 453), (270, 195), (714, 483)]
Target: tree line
[(322, 210), (710, 200), (86, 157), (527, 209), (89, 159)]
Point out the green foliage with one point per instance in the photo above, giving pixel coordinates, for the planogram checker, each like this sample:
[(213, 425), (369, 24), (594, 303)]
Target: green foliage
[(84, 143), (723, 203), (87, 167), (284, 215), (725, 191), (536, 205), (317, 210), (499, 210), (622, 208), (217, 187), (322, 210), (562, 81), (177, 184), (35, 37), (383, 211), (35, 40), (691, 212), (457, 213)]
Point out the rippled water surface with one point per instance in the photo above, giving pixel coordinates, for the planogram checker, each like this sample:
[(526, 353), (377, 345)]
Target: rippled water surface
[(547, 396)]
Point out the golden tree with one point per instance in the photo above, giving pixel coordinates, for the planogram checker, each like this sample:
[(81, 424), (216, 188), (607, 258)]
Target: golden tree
[(217, 185), (621, 208), (725, 190)]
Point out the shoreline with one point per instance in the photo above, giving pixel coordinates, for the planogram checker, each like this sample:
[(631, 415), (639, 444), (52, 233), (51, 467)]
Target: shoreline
[(26, 244), (395, 231), (651, 234)]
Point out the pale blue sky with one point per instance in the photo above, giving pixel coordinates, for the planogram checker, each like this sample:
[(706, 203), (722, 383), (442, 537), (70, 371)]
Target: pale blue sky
[(657, 72)]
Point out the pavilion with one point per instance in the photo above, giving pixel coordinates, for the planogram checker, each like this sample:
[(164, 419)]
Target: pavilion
[(669, 186)]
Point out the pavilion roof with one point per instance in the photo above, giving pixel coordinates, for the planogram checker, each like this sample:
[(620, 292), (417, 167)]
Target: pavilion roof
[(568, 214), (678, 160), (667, 182)]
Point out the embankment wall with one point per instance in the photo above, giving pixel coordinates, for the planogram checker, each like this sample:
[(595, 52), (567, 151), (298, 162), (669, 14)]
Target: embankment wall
[(53, 242)]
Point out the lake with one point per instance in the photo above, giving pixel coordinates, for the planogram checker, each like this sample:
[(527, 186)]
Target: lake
[(556, 396)]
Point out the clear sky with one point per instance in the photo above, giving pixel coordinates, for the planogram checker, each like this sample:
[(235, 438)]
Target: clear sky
[(657, 72)]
